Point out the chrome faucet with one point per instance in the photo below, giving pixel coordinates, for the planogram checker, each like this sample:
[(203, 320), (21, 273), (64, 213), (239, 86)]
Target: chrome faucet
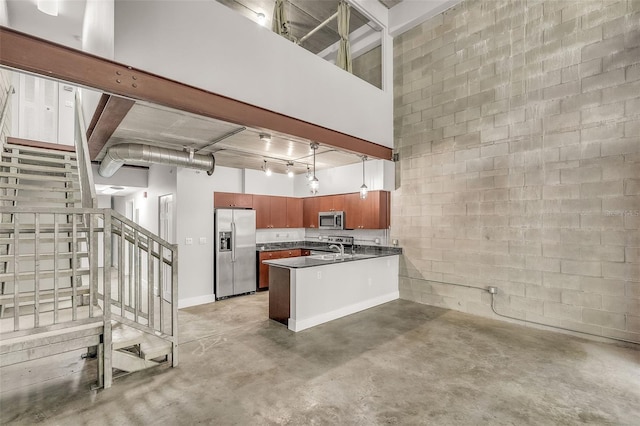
[(340, 248)]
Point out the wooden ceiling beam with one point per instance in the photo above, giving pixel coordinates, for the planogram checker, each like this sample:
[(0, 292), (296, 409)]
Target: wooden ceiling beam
[(25, 52), (109, 114)]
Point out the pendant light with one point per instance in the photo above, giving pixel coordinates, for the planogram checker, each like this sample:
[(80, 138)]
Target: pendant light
[(289, 170), (314, 184), (363, 189), (266, 168)]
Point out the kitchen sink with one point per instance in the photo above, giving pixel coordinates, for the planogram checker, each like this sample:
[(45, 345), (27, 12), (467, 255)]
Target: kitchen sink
[(337, 256)]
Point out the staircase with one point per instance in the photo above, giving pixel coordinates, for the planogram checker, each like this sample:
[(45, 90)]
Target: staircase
[(58, 288)]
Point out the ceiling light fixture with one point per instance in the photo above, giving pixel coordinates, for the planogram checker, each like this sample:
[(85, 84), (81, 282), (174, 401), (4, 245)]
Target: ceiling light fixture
[(262, 18), (50, 7), (265, 137), (314, 184), (266, 169), (363, 189), (112, 190), (289, 171)]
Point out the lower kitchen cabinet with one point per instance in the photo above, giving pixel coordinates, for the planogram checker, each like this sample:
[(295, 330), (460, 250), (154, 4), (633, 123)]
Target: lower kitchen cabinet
[(263, 270)]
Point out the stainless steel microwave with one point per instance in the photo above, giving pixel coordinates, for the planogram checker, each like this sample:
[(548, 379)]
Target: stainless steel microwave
[(331, 220)]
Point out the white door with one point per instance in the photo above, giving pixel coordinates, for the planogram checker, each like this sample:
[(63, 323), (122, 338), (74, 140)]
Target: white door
[(38, 109), (165, 224)]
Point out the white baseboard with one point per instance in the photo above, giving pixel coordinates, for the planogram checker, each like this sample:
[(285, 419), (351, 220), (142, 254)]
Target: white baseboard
[(194, 301), (303, 324)]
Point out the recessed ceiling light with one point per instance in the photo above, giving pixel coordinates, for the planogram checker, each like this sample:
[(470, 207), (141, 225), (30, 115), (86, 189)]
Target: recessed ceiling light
[(112, 190)]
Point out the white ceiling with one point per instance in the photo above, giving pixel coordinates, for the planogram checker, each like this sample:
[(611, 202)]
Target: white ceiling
[(160, 126), (66, 28)]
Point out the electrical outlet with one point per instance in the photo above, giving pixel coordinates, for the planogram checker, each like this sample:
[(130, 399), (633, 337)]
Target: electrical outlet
[(188, 241), (319, 275), (377, 241), (203, 240), (493, 290)]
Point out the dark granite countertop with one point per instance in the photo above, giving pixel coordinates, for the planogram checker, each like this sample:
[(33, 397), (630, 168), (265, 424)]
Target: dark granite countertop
[(321, 260), (323, 246), (360, 252)]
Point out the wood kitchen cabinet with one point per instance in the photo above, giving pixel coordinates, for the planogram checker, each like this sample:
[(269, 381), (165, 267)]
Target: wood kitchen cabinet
[(231, 199), (271, 212), (370, 213), (263, 270), (310, 209), (331, 203), (294, 213)]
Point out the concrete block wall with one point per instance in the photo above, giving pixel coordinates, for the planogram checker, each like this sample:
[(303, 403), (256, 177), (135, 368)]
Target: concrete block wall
[(368, 66), (517, 123)]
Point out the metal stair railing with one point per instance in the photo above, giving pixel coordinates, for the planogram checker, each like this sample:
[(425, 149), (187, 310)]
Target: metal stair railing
[(146, 300)]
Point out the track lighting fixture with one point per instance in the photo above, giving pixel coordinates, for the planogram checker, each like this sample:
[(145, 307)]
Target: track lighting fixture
[(265, 137)]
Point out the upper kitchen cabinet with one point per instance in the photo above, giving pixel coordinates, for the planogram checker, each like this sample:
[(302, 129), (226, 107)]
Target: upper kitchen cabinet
[(271, 212), (331, 203), (232, 200), (371, 213), (294, 213), (310, 209)]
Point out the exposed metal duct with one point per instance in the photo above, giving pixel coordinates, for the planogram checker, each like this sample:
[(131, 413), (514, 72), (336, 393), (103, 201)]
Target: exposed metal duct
[(118, 155)]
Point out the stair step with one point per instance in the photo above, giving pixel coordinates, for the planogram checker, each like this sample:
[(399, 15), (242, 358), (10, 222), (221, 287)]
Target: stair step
[(61, 240), (9, 277), (36, 188), (39, 158), (38, 150), (36, 177), (45, 295), (154, 347), (126, 361), (39, 200), (42, 257), (41, 168), (124, 337)]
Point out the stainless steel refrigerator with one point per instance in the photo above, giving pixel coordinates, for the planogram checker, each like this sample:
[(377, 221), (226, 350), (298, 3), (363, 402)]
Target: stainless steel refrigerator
[(235, 262)]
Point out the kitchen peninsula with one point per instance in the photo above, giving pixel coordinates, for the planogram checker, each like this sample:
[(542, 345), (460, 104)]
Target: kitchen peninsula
[(307, 291)]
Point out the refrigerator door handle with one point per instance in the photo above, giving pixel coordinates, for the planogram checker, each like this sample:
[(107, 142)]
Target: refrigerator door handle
[(233, 241)]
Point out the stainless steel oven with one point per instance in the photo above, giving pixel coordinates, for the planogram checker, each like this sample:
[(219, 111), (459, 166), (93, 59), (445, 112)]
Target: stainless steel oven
[(331, 220)]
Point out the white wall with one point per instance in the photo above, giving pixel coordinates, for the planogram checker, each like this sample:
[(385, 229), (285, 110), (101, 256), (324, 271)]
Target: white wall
[(194, 220), (98, 39), (256, 182), (66, 113), (4, 14), (162, 181), (223, 52)]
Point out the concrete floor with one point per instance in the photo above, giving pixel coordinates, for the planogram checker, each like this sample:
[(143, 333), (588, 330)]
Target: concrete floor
[(400, 363)]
